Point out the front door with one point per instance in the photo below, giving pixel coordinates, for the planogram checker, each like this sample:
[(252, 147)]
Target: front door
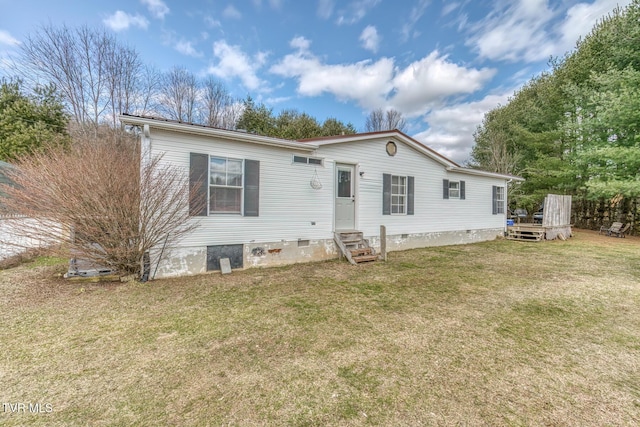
[(345, 197)]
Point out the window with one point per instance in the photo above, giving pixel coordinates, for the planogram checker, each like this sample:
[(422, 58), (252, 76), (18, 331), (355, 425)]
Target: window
[(345, 187), (398, 194), (498, 200), (225, 185), (453, 189), (307, 160)]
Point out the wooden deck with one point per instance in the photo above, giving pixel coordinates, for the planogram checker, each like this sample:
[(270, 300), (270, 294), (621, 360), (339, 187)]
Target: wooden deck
[(537, 232)]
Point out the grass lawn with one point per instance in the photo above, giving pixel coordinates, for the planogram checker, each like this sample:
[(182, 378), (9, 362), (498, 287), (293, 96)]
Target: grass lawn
[(498, 333)]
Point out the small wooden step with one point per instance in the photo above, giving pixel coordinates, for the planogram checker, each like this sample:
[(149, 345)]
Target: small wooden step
[(350, 236), (354, 246), (365, 258), (528, 235), (361, 251)]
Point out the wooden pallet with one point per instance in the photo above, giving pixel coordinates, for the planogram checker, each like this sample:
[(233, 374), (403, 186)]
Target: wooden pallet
[(528, 234), (355, 247)]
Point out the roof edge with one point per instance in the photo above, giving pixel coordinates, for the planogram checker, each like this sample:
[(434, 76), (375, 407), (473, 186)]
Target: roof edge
[(429, 152), (193, 128), (481, 172)]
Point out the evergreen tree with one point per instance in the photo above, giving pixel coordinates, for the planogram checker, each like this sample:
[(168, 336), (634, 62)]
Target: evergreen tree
[(27, 122)]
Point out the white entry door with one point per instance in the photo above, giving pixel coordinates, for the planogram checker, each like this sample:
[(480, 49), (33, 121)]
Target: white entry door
[(345, 197)]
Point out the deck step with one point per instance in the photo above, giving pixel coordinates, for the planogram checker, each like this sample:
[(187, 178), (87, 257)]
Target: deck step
[(350, 236), (365, 258), (361, 251), (354, 246), (528, 235)]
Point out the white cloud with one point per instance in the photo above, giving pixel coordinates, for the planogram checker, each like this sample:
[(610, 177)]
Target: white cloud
[(357, 10), (300, 43), (413, 90), (231, 12), (325, 8), (370, 38), (449, 7), (580, 19), (430, 80), (451, 128), (366, 82), (211, 22), (156, 7), (531, 30), (515, 31), (121, 21), (277, 100), (275, 4), (8, 39), (232, 63), (186, 48), (416, 13)]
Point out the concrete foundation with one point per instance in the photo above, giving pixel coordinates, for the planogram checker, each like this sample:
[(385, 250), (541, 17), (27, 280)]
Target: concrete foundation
[(182, 261)]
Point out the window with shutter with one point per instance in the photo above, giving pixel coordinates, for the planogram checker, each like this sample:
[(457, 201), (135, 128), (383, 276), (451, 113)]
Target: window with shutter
[(230, 183), (397, 195), (453, 189), (225, 185), (498, 200)]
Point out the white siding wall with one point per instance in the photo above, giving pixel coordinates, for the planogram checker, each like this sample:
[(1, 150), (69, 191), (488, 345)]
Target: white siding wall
[(432, 213), (288, 204)]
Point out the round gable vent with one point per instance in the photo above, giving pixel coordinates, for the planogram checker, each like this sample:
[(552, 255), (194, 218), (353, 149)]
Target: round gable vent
[(392, 149)]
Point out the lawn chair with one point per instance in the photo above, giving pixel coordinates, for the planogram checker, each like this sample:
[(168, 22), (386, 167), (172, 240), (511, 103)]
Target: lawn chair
[(521, 214), (615, 228), (620, 233)]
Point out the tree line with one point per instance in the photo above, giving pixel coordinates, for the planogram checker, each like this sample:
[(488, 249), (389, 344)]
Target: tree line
[(575, 129)]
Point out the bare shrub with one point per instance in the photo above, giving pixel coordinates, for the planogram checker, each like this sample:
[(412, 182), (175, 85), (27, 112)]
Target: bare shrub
[(97, 202)]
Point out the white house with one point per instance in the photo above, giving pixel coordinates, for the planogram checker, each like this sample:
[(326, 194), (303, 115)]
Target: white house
[(272, 201)]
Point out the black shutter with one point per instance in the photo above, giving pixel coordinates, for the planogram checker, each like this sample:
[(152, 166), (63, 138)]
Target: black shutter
[(386, 194), (445, 188), (251, 187), (495, 200), (410, 197), (198, 170), (461, 190)]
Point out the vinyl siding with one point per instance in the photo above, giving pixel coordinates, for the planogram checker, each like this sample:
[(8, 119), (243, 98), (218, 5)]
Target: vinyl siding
[(432, 213), (288, 204)]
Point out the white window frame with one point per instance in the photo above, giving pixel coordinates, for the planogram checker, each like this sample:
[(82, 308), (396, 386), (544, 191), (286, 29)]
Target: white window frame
[(312, 161), (399, 195), (499, 200), (237, 187), (454, 186)]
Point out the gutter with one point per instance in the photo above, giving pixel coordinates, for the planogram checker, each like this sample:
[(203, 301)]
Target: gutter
[(214, 132), (478, 172)]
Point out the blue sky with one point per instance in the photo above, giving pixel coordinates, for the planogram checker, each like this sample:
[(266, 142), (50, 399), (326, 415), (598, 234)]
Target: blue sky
[(443, 64)]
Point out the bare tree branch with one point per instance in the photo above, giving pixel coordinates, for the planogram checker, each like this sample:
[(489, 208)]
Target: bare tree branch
[(379, 120), (96, 201)]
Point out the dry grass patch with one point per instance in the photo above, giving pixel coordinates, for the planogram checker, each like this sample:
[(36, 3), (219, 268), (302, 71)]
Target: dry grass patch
[(498, 333)]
